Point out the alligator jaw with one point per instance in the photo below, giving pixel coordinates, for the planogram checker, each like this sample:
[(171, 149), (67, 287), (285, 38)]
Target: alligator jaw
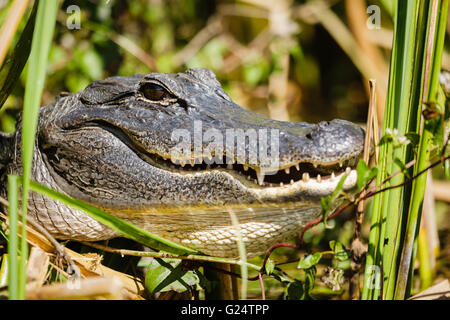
[(299, 175), (292, 178)]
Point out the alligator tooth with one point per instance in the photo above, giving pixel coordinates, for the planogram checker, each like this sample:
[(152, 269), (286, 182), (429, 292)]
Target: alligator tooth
[(192, 161), (182, 163), (297, 166), (292, 181), (229, 166), (245, 167), (287, 170), (249, 177), (305, 177), (341, 164), (319, 178), (260, 175), (281, 184), (208, 166), (348, 170), (207, 159), (315, 165), (332, 175)]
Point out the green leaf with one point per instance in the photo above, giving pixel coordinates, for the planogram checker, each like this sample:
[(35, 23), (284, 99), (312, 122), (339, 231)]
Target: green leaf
[(403, 167), (327, 202), (280, 277), (13, 243), (413, 137), (365, 174), (385, 139), (270, 266), (295, 291), (310, 279), (340, 253), (169, 275), (309, 261)]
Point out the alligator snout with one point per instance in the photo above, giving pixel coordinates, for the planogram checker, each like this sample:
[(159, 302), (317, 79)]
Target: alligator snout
[(331, 142)]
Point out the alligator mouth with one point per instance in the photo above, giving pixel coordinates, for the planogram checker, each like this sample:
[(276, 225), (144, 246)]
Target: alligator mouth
[(312, 174), (290, 174)]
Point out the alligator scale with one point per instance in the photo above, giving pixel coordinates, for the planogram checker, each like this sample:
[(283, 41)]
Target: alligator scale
[(110, 145)]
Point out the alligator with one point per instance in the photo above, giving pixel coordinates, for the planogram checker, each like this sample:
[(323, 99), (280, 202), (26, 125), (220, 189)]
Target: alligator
[(112, 146)]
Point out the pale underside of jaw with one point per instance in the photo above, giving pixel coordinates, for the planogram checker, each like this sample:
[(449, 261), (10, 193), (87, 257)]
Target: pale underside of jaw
[(313, 186)]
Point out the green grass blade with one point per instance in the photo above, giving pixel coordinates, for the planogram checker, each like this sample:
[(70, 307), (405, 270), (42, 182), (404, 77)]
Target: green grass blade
[(412, 17), (125, 228), (12, 68), (423, 159), (242, 255), (13, 253), (40, 47)]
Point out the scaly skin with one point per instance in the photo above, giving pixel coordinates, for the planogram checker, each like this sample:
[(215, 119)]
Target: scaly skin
[(111, 145)]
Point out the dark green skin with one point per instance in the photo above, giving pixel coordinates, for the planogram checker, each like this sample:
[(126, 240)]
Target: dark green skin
[(98, 146)]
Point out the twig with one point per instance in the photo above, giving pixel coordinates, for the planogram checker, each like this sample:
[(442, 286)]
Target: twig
[(372, 193), (9, 26), (242, 10), (261, 284), (269, 252), (240, 53), (60, 250), (134, 49), (163, 255)]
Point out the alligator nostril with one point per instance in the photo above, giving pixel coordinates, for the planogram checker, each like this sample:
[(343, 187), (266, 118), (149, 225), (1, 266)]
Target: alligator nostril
[(309, 136)]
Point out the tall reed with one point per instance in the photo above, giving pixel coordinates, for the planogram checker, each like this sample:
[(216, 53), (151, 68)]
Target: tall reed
[(413, 83)]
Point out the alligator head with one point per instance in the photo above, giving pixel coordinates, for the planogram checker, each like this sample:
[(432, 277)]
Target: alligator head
[(174, 155)]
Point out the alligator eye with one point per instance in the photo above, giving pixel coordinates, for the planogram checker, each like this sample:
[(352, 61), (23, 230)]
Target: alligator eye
[(154, 92)]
